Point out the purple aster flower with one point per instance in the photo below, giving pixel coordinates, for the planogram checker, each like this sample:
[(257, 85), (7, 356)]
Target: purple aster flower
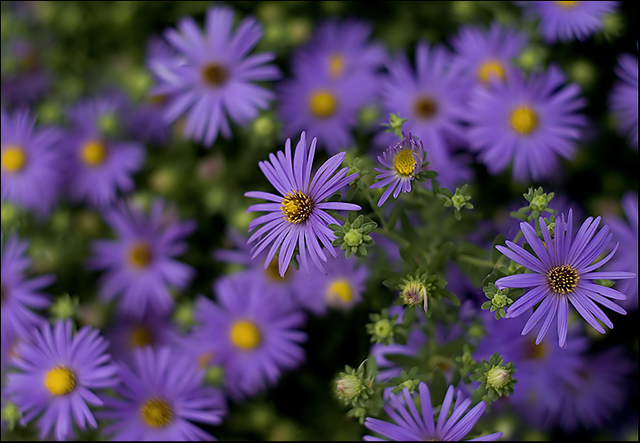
[(340, 288), (213, 78), (623, 99), (298, 216), (626, 258), (431, 98), (482, 55), (140, 265), (566, 21), (30, 165), (29, 82), (20, 295), (128, 333), (99, 165), (160, 396), (529, 122), (402, 162), (326, 108), (562, 271), (254, 332), (58, 374), (412, 425)]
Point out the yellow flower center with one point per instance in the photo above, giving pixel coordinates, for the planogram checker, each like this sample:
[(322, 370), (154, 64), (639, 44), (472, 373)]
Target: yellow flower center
[(273, 273), (323, 104), (567, 4), (336, 65), (139, 255), (563, 279), (245, 335), (93, 153), (140, 336), (156, 412), (214, 74), (296, 207), (425, 107), (524, 120), (13, 158), (405, 162), (60, 381), (339, 292), (491, 69)]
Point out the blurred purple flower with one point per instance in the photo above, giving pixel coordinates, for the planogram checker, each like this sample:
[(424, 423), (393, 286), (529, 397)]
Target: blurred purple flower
[(623, 99), (140, 265), (159, 397), (298, 217), (57, 376), (212, 78)]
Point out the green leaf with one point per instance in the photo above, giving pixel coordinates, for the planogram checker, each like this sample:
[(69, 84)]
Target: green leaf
[(495, 254)]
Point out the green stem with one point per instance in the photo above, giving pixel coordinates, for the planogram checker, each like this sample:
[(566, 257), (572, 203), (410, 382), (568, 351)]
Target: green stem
[(477, 261)]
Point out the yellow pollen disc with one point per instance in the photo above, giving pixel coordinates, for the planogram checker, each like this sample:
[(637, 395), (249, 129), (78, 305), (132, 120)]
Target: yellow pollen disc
[(245, 335), (296, 207), (13, 159), (567, 4), (563, 279), (339, 292), (491, 69), (524, 120), (140, 336), (336, 65), (425, 107), (139, 255), (405, 163), (156, 413), (323, 104), (535, 352), (214, 74), (93, 153), (273, 273), (60, 381), (158, 100)]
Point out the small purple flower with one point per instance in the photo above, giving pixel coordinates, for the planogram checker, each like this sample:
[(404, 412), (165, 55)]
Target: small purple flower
[(254, 333), (340, 288), (159, 397), (57, 377), (481, 56), (297, 217), (623, 99), (20, 295), (99, 166), (567, 20), (411, 425), (26, 85), (562, 273), (625, 233), (528, 121), (31, 175), (431, 97), (403, 161), (213, 78), (140, 265)]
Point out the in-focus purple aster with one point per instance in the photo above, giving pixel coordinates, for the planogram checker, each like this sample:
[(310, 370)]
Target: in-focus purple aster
[(483, 55), (529, 122), (212, 78), (340, 288), (413, 425), (625, 233), (431, 97), (298, 217), (567, 20), (255, 333), (31, 175), (99, 165), (623, 100), (562, 272), (140, 264), (20, 295), (58, 374), (402, 161), (160, 396)]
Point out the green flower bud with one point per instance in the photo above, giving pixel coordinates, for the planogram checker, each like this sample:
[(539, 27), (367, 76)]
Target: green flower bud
[(349, 387), (64, 307), (353, 237), (497, 377), (383, 328), (413, 292)]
